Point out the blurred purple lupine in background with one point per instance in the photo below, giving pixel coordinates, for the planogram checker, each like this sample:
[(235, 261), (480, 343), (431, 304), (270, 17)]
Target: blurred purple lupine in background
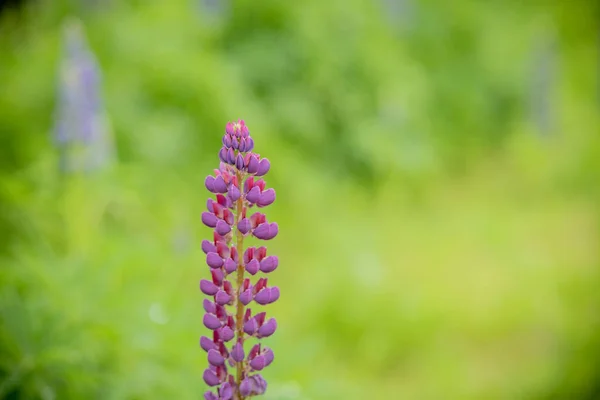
[(543, 83), (238, 188), (213, 11), (400, 14), (82, 132)]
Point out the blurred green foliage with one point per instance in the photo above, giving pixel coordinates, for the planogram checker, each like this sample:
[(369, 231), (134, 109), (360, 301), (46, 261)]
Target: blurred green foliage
[(433, 245)]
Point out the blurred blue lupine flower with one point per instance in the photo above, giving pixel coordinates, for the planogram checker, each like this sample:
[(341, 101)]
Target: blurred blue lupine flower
[(400, 14), (238, 187), (81, 133), (543, 72), (213, 11)]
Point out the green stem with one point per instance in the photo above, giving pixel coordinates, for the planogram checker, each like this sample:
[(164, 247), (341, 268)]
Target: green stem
[(239, 323)]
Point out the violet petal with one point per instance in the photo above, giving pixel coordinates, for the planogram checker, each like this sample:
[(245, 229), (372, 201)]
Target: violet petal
[(269, 357), (252, 267), (209, 182), (274, 294), (208, 288), (220, 186), (226, 391), (214, 260), (269, 264), (230, 157), (222, 227), (250, 326), (263, 167), (222, 298), (237, 352), (230, 128), (209, 306), (230, 266), (258, 363), (267, 197), (253, 164), (246, 387), (227, 140), (239, 162), (208, 247), (234, 193), (259, 384), (246, 297), (263, 297), (262, 231), (249, 144), (209, 219), (223, 155), (268, 328), (244, 226), (208, 395), (253, 195), (226, 333), (215, 358), (210, 378), (207, 344), (273, 230), (211, 321)]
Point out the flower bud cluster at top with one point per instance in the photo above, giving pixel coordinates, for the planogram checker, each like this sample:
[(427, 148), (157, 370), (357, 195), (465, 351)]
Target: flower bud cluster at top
[(238, 186)]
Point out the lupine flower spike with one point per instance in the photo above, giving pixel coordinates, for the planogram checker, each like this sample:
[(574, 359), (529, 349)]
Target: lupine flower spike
[(238, 187)]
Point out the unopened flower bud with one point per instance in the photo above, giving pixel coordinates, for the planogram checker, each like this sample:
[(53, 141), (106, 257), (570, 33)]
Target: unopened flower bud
[(244, 226), (237, 353)]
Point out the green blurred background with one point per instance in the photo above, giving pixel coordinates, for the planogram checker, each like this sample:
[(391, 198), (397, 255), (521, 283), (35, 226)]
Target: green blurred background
[(437, 166)]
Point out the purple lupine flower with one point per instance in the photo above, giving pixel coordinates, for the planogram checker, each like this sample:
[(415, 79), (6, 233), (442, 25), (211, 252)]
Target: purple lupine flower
[(238, 187), (81, 132)]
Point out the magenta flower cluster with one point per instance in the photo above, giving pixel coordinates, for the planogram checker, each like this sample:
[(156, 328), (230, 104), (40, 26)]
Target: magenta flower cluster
[(238, 188)]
